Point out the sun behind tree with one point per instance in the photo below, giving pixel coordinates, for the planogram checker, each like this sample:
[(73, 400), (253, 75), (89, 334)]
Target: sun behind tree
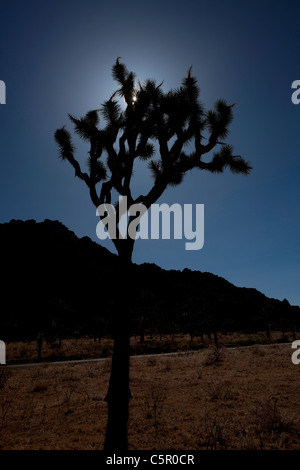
[(171, 120)]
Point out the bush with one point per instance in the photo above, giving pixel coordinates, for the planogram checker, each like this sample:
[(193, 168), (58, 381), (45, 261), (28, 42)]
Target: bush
[(214, 432), (213, 357), (270, 419), (4, 375), (154, 403), (39, 387)]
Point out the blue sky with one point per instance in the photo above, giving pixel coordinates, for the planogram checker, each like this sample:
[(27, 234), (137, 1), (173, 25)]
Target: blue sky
[(56, 58)]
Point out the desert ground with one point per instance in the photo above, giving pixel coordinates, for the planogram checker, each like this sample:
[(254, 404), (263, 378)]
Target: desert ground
[(243, 397)]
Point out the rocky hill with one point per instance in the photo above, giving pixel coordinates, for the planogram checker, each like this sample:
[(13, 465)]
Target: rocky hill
[(53, 281)]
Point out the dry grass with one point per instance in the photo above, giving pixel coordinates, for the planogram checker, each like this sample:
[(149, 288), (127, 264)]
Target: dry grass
[(80, 348), (246, 399), (86, 347)]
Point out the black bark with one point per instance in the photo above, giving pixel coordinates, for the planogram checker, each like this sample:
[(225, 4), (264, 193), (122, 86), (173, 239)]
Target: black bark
[(118, 395)]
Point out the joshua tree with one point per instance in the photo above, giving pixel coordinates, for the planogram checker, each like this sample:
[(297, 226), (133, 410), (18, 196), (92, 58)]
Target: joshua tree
[(152, 122)]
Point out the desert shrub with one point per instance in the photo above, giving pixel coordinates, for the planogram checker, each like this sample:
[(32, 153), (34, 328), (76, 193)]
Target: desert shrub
[(199, 372), (245, 437), (106, 351), (6, 405), (106, 368), (73, 394), (154, 402), (221, 390), (214, 432), (258, 351), (4, 376), (167, 366), (250, 341), (213, 356), (6, 399), (270, 419), (151, 361), (39, 387)]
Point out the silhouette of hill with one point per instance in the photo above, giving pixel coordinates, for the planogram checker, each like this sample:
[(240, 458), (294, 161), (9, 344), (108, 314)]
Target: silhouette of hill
[(56, 283)]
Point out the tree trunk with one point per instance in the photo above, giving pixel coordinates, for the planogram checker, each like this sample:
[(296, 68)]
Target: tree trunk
[(39, 346), (216, 338), (118, 394), (142, 331)]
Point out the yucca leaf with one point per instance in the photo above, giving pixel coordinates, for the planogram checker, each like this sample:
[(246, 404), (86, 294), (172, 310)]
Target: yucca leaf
[(111, 111), (84, 127), (155, 168), (224, 159), (93, 117), (146, 152), (63, 139), (119, 72), (238, 165), (175, 177), (97, 169)]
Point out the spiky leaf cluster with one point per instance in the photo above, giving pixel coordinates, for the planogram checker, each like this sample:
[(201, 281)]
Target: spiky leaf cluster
[(139, 120)]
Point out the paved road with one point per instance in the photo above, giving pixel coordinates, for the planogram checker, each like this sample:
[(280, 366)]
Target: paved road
[(80, 361)]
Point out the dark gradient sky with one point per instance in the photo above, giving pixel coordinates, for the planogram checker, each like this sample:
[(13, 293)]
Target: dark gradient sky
[(56, 58)]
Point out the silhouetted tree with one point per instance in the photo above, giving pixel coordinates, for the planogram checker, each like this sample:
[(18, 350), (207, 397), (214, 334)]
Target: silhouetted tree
[(267, 311), (144, 304), (39, 343), (150, 117)]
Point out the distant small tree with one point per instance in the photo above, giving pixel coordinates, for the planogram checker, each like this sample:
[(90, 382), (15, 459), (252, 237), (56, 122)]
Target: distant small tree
[(144, 304), (151, 117), (267, 311)]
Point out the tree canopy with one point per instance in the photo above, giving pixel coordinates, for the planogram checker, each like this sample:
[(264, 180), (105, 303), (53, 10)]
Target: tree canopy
[(153, 122)]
